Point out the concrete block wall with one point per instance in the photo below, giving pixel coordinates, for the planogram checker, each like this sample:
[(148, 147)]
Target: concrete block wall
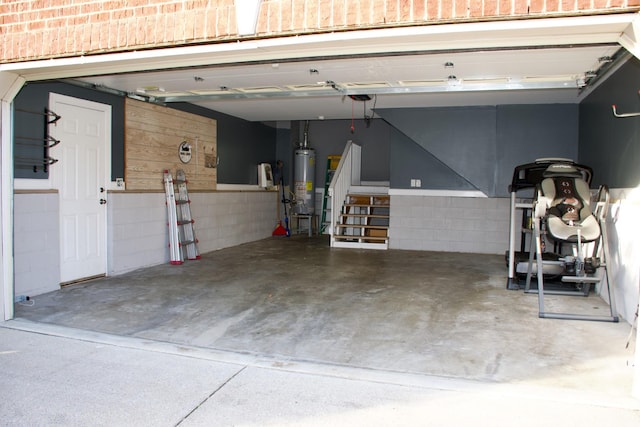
[(36, 243), (449, 224), (225, 219), (58, 28), (137, 231), (138, 234)]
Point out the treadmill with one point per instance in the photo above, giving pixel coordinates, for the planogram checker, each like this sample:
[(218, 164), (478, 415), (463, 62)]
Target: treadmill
[(522, 190)]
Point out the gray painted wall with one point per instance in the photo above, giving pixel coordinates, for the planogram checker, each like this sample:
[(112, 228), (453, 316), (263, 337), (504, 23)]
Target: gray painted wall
[(609, 144), (241, 144), (477, 147), (35, 97), (411, 161), (330, 137)]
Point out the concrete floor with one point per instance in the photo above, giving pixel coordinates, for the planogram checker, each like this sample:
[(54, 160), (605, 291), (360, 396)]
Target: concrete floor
[(53, 375), (414, 312)]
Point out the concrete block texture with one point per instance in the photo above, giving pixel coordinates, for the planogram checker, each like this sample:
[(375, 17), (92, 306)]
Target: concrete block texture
[(36, 243), (138, 235), (137, 231), (450, 224)]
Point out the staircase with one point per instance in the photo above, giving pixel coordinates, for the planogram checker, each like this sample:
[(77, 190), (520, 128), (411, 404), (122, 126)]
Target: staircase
[(363, 221), (359, 214)]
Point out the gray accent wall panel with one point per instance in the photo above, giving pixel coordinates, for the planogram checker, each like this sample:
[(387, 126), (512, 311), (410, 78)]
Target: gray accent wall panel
[(330, 138), (529, 132), (611, 145), (480, 145), (461, 138), (35, 97), (411, 161)]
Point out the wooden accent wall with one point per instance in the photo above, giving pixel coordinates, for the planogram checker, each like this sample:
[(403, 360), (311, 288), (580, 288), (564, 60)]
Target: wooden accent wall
[(153, 134)]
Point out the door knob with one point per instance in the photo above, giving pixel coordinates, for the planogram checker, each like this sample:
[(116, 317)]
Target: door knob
[(103, 201)]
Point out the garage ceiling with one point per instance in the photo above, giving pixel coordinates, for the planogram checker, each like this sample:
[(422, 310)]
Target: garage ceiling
[(320, 88), (310, 77)]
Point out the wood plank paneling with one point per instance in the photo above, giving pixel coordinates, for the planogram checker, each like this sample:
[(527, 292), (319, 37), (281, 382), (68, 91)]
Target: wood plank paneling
[(153, 134)]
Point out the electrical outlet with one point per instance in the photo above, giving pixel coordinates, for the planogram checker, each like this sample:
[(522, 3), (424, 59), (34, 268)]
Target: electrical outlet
[(418, 183), (119, 182), (413, 183)]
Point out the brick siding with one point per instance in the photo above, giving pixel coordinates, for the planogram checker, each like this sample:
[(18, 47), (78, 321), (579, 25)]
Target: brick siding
[(56, 28)]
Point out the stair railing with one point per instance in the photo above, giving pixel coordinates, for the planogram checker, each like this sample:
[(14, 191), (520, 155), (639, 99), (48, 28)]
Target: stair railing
[(347, 174)]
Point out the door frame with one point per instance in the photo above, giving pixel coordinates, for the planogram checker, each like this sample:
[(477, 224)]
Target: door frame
[(105, 109)]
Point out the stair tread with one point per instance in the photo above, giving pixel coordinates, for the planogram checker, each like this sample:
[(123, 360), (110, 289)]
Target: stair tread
[(367, 205), (350, 237), (378, 227), (352, 215)]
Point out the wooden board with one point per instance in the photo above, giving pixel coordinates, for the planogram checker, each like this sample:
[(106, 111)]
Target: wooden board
[(153, 135)]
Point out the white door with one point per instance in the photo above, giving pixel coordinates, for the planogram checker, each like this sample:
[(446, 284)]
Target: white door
[(80, 176)]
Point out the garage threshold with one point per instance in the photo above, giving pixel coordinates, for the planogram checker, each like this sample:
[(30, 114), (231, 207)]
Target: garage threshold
[(286, 300)]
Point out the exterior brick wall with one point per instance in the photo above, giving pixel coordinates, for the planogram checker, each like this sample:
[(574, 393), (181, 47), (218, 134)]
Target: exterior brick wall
[(42, 29)]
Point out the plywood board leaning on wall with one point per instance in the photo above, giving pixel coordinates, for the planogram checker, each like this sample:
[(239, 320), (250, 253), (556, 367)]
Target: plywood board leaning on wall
[(153, 135)]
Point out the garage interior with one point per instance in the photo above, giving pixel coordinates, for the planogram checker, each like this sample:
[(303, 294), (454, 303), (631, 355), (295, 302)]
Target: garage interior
[(407, 309)]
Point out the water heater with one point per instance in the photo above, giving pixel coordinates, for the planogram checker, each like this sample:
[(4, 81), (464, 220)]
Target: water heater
[(304, 169)]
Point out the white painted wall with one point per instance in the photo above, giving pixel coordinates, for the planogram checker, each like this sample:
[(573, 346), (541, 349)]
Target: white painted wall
[(624, 248)]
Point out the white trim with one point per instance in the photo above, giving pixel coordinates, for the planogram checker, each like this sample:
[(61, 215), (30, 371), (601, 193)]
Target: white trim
[(473, 35), (238, 187), (247, 16), (6, 211), (32, 184), (629, 37), (360, 245), (437, 193), (10, 85)]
